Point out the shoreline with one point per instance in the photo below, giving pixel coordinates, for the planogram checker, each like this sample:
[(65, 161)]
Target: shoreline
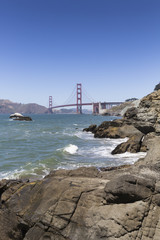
[(118, 203)]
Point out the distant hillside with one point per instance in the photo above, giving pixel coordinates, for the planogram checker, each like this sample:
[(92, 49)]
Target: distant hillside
[(6, 106)]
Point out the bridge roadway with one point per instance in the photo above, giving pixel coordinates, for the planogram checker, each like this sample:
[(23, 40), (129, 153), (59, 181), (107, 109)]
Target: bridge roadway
[(87, 104)]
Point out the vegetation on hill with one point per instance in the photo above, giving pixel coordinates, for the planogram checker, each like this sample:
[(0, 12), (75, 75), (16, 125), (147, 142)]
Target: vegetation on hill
[(6, 106)]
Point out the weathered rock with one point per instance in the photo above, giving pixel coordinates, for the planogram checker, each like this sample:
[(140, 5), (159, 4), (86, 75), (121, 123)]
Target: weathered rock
[(116, 132), (144, 127), (91, 128), (146, 117), (10, 226), (128, 189), (114, 123), (113, 129), (131, 113), (83, 204), (133, 145), (153, 144)]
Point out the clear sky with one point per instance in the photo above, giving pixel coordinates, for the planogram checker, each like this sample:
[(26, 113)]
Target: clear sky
[(112, 47)]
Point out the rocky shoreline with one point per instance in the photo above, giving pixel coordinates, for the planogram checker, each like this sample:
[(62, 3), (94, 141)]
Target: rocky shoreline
[(111, 203)]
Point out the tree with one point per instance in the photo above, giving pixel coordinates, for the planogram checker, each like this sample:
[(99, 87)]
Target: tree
[(157, 87), (131, 99)]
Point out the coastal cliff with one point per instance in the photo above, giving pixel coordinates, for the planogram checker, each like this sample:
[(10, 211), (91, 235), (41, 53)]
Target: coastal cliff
[(89, 203)]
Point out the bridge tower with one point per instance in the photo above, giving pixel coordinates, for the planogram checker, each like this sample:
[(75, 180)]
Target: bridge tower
[(50, 104), (79, 98)]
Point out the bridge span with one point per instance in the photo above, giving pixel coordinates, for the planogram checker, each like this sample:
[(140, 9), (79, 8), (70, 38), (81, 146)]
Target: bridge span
[(98, 107)]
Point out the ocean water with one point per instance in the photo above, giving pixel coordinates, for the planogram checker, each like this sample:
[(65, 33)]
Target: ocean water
[(33, 149)]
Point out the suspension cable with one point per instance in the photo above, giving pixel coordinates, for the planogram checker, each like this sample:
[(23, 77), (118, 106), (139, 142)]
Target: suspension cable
[(87, 95), (71, 96)]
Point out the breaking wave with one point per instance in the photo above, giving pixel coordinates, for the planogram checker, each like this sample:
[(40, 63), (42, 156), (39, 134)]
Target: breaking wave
[(71, 149)]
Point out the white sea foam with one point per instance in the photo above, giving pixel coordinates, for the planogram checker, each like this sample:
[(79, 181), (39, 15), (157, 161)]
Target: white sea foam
[(40, 172), (11, 174), (84, 135), (71, 149), (104, 152)]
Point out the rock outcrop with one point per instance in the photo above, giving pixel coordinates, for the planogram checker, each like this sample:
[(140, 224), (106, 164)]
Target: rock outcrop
[(147, 115), (134, 144), (86, 203), (136, 124)]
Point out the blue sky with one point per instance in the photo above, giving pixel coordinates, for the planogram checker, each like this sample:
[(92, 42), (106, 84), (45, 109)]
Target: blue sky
[(112, 47)]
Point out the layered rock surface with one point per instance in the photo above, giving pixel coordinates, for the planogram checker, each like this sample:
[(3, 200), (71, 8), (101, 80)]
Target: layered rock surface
[(87, 203), (83, 204)]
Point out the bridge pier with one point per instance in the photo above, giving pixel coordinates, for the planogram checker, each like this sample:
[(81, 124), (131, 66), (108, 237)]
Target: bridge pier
[(95, 108)]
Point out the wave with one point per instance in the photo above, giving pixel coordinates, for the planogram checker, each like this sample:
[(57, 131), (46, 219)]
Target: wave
[(84, 135), (103, 153), (71, 149), (33, 172)]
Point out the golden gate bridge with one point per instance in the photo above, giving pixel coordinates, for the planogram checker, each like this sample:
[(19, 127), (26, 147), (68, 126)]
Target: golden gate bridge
[(97, 107)]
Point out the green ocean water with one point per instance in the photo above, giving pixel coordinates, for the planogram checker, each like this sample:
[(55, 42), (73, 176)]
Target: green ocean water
[(33, 149)]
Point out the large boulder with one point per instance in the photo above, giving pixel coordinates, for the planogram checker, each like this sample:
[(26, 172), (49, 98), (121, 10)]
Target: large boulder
[(133, 145), (116, 132), (113, 129)]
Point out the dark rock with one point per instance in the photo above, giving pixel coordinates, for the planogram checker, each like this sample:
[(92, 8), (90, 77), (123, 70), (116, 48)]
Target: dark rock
[(128, 189), (133, 145), (131, 113), (23, 118), (91, 128), (144, 127), (9, 225), (114, 123), (116, 132)]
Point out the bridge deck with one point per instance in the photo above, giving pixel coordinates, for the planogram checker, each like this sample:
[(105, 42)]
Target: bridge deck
[(87, 104)]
